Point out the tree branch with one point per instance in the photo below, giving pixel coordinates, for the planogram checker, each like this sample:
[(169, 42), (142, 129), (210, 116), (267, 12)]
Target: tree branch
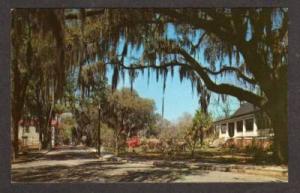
[(210, 26), (199, 41), (164, 65), (228, 89), (232, 69), (254, 62), (193, 65)]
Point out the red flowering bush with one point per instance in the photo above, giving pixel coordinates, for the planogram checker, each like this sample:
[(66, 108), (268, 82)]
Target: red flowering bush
[(133, 142)]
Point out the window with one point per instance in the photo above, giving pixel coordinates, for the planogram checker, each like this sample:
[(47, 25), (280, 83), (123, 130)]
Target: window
[(239, 126), (262, 121), (249, 124), (25, 140), (223, 128), (231, 129), (26, 129)]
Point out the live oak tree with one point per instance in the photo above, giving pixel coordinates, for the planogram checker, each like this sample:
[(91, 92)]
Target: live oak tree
[(44, 54), (41, 63), (92, 91), (38, 67), (20, 70)]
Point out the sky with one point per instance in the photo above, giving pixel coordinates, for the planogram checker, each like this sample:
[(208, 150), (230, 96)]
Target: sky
[(179, 98)]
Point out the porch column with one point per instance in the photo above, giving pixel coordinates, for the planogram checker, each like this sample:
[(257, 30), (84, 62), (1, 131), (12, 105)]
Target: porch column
[(255, 131), (244, 128), (235, 128), (227, 133)]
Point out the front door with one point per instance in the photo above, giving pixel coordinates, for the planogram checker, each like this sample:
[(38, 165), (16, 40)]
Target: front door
[(231, 129)]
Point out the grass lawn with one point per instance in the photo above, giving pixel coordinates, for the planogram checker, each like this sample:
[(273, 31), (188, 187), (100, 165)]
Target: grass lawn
[(211, 155)]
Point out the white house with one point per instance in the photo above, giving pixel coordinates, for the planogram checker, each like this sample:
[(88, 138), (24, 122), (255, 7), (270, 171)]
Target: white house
[(29, 137), (28, 134), (242, 124)]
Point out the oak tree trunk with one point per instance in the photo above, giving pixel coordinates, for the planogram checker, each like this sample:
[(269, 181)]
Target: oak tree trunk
[(16, 138), (280, 139), (276, 108), (278, 115)]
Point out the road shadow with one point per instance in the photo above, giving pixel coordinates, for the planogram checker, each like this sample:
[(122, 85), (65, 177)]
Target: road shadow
[(102, 172), (153, 176), (91, 171)]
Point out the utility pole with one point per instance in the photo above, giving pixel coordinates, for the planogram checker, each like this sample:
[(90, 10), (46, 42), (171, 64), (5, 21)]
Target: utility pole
[(99, 130)]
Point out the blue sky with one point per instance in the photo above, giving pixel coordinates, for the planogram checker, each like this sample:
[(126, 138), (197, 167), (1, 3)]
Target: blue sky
[(178, 95)]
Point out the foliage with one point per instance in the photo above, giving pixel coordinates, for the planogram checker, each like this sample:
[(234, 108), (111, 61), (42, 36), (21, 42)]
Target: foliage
[(175, 130), (107, 136), (201, 123), (161, 125), (66, 126), (202, 119)]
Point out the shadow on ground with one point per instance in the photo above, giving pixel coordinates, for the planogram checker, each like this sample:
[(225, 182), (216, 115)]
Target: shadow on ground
[(78, 165), (101, 172)]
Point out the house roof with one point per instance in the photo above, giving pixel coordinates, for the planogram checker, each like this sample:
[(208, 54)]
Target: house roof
[(245, 109)]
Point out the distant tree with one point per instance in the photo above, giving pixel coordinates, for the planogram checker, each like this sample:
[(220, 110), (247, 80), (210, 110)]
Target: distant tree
[(201, 122), (161, 124), (184, 123), (127, 113), (107, 136), (226, 109), (66, 126)]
